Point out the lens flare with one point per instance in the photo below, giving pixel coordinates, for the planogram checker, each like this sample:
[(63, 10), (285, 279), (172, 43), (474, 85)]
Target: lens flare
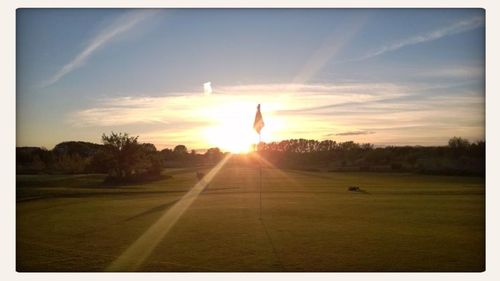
[(132, 258)]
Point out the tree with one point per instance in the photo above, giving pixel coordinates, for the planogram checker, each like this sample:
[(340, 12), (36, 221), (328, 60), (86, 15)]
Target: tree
[(214, 154), (180, 149), (152, 159), (458, 146), (80, 148), (122, 154), (458, 143), (126, 159)]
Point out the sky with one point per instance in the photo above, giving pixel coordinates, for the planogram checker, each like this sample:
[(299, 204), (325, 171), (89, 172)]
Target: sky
[(195, 76)]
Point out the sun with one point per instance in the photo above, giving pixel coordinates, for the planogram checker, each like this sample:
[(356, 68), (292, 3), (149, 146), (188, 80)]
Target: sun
[(232, 135), (230, 139), (232, 130)]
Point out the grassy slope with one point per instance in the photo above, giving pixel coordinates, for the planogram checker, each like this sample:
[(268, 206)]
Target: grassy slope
[(403, 222)]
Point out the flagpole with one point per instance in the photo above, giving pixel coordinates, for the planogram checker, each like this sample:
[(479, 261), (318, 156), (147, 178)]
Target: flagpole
[(258, 123), (260, 184)]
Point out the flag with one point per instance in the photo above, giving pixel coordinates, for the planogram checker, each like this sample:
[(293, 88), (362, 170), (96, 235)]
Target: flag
[(258, 124)]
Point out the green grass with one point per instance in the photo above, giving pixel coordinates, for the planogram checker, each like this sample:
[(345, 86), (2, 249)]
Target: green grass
[(402, 223)]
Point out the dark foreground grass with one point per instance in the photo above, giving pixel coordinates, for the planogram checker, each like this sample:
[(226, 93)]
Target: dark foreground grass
[(311, 222)]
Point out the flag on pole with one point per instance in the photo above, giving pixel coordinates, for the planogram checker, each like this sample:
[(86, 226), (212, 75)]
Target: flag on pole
[(258, 124)]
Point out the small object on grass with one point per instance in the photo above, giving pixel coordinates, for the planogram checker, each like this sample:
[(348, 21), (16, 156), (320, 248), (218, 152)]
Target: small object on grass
[(200, 175), (357, 189), (354, 188)]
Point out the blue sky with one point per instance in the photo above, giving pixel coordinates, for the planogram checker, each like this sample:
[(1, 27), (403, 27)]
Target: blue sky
[(385, 76)]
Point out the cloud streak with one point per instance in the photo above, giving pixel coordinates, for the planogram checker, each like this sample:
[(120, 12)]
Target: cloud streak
[(119, 26), (455, 28), (353, 133)]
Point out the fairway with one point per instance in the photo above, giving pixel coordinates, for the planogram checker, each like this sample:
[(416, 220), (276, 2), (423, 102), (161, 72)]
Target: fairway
[(311, 222)]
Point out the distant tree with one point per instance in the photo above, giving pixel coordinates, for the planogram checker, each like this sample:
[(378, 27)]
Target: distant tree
[(152, 159), (366, 146), (148, 147), (70, 164), (33, 160), (457, 143), (213, 154), (80, 148), (180, 150), (37, 165), (479, 148), (74, 157), (167, 154)]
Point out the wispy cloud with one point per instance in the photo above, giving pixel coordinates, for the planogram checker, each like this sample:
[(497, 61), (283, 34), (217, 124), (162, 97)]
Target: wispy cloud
[(119, 26), (353, 133), (454, 28), (459, 72)]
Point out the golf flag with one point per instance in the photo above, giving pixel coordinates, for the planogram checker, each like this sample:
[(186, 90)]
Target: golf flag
[(258, 124)]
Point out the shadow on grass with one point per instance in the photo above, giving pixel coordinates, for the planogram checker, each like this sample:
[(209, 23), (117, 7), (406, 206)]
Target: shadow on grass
[(155, 209), (118, 183), (81, 181), (36, 187), (46, 195), (360, 191)]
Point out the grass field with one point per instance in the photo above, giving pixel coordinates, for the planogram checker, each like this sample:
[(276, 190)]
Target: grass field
[(311, 222)]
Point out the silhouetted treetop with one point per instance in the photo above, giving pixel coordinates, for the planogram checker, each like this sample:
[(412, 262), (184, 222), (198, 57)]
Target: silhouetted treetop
[(180, 149)]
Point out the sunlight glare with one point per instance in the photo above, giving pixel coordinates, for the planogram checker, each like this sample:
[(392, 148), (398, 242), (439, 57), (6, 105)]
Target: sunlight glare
[(233, 130)]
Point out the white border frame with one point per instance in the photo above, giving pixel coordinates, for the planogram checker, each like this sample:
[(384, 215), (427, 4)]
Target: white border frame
[(8, 142)]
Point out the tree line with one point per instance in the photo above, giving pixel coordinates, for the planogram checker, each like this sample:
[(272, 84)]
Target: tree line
[(124, 158), (459, 157)]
